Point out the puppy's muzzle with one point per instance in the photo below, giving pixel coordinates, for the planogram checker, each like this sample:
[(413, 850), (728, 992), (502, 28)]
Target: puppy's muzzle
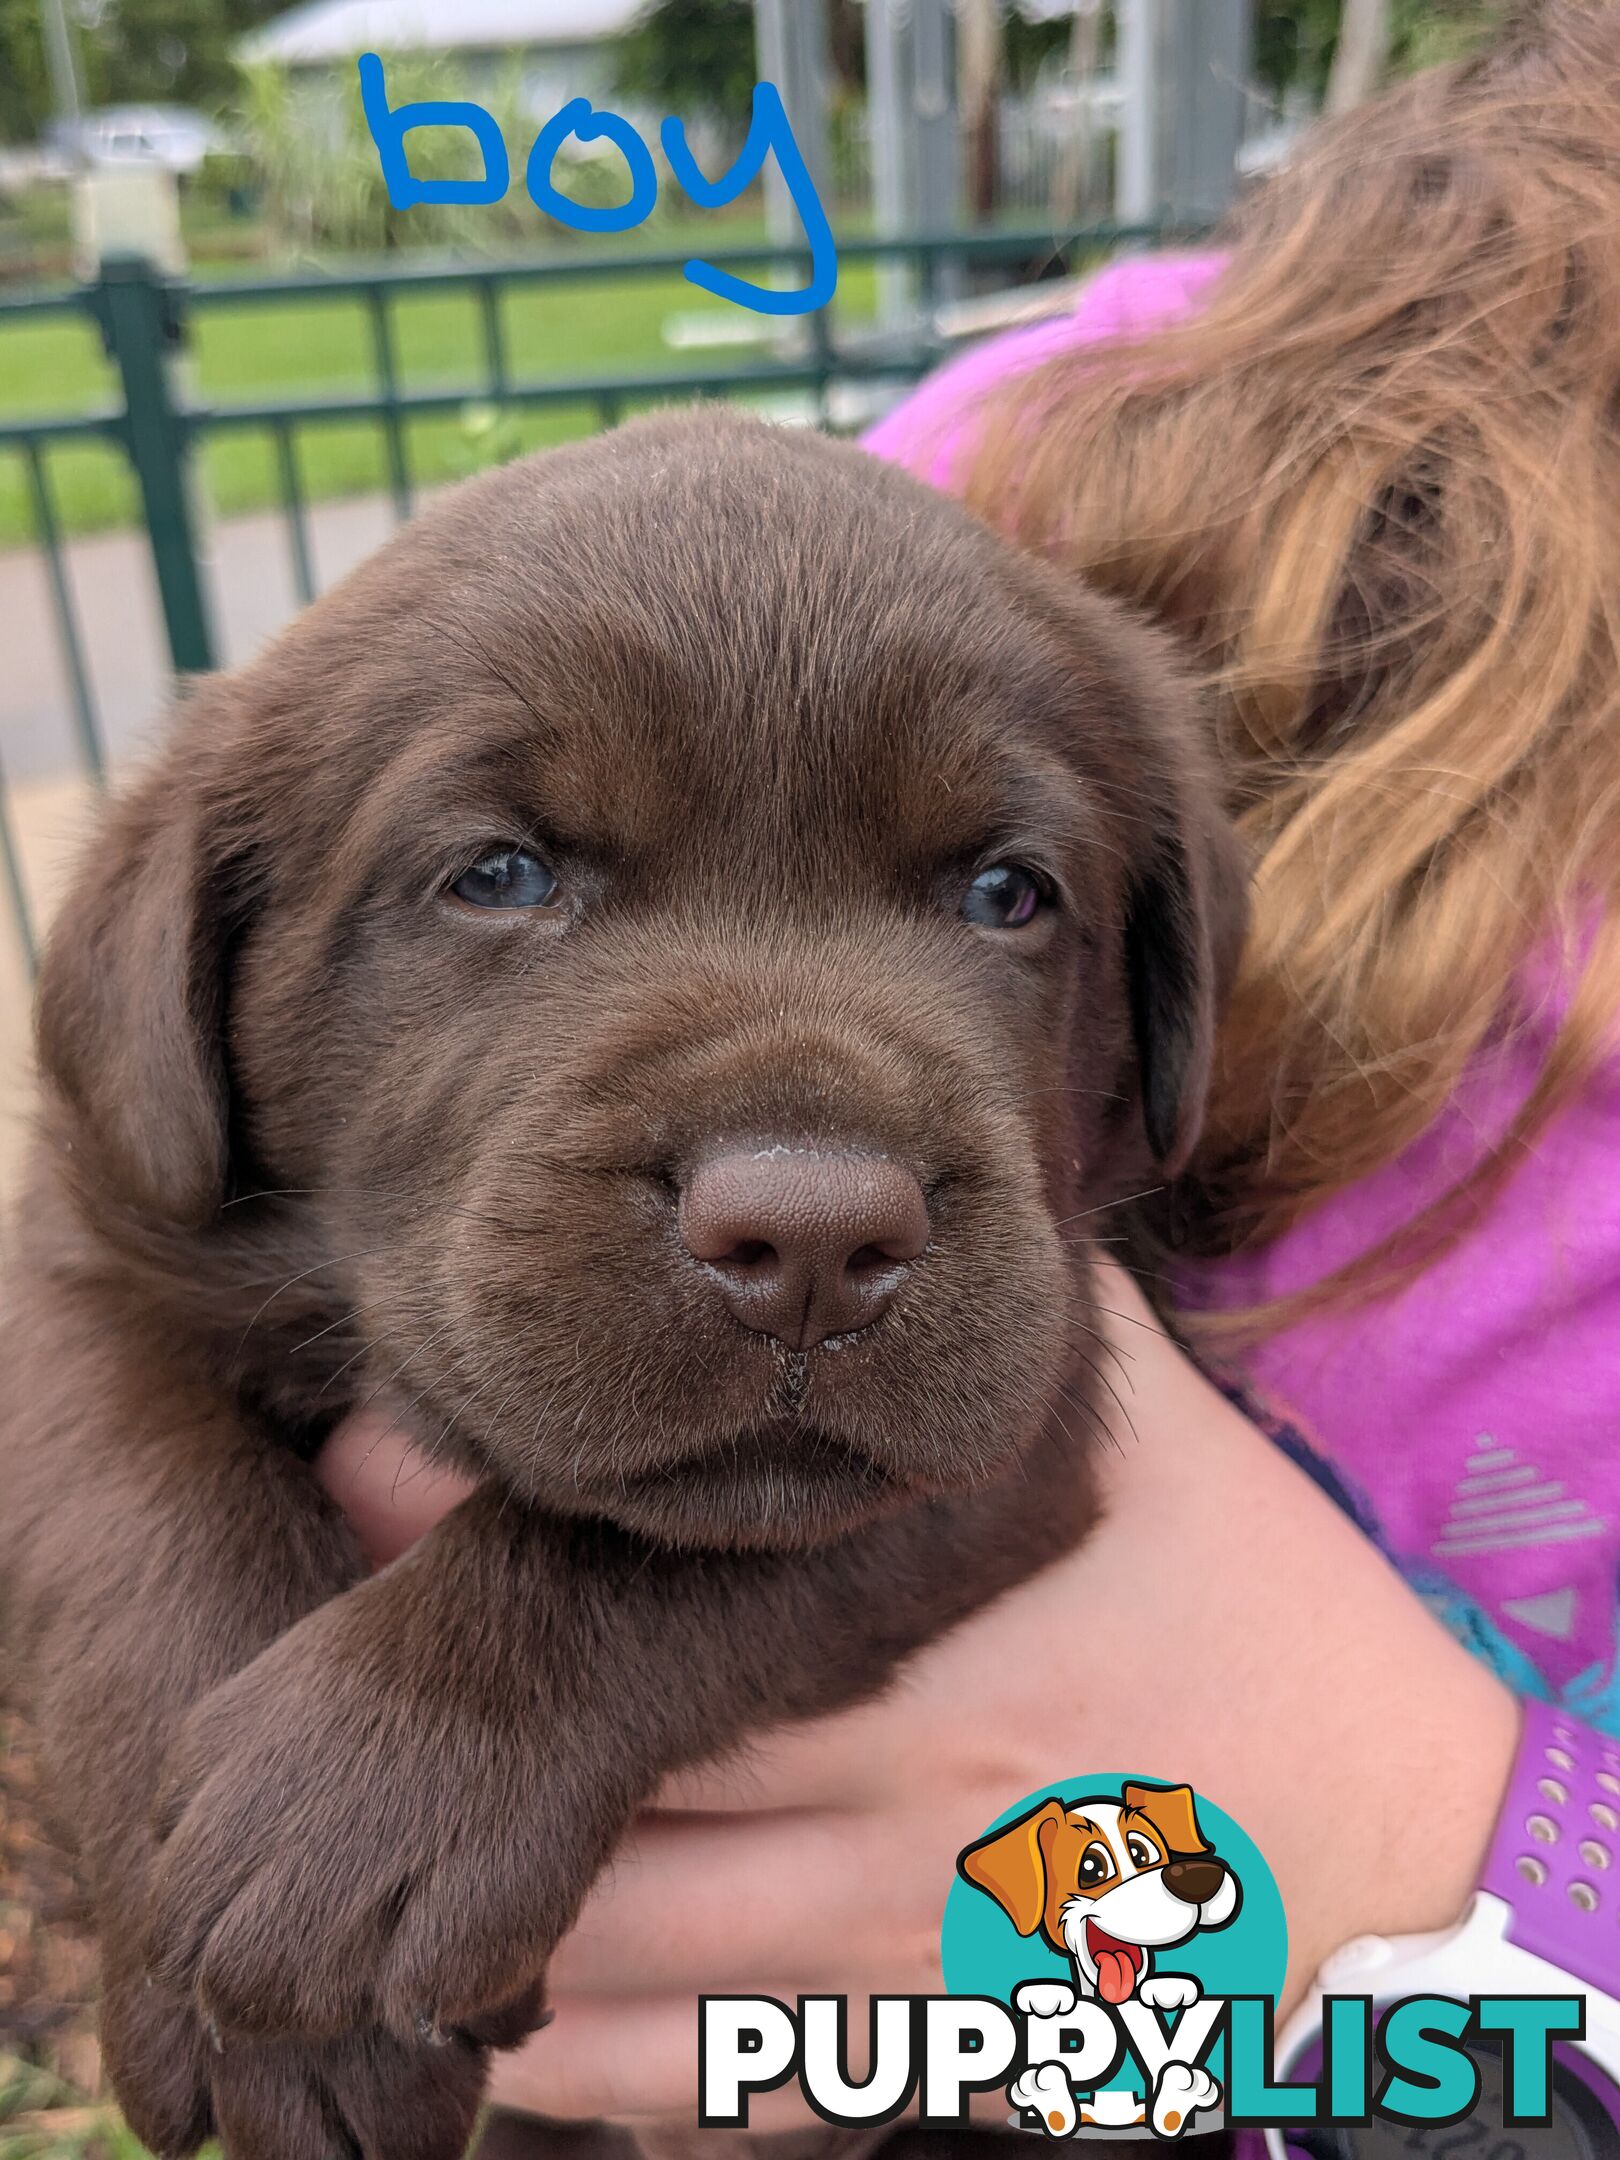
[(802, 1243)]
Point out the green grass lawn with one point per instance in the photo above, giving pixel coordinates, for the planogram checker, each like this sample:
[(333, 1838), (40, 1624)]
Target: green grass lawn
[(599, 326), (43, 2119)]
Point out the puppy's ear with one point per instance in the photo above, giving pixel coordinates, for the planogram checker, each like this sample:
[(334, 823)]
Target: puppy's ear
[(1172, 1812), (1141, 734), (1010, 1866), (131, 1008), (1186, 915)]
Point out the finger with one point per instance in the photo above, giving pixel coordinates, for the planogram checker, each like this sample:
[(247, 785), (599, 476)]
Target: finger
[(636, 2061), (624, 2057), (627, 2061), (751, 1903), (834, 1762), (387, 1486)]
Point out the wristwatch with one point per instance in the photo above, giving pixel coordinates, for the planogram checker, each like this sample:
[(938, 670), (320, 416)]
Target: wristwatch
[(1544, 1921)]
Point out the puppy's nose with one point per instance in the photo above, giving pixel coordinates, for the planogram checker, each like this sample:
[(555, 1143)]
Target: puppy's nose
[(1194, 1880), (804, 1245)]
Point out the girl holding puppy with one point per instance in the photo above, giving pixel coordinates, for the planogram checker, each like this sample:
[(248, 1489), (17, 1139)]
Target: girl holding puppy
[(1365, 463)]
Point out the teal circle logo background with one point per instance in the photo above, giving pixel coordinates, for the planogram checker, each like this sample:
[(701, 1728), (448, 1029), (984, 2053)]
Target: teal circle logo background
[(984, 1954)]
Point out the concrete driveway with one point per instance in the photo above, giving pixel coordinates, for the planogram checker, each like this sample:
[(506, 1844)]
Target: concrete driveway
[(46, 795), (111, 578)]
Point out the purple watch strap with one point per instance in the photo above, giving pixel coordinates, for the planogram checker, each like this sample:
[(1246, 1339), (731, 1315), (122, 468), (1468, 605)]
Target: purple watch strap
[(1555, 1858)]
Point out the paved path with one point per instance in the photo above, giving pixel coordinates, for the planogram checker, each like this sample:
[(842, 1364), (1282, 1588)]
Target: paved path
[(111, 577), (46, 796)]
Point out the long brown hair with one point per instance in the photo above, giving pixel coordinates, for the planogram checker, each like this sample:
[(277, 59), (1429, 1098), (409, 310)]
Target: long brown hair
[(1375, 486)]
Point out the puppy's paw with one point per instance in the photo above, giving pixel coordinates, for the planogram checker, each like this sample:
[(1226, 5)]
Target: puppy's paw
[(1178, 2096), (180, 2085), (1168, 1991), (367, 2093), (158, 2060), (1045, 2088), (339, 1851), (1044, 1998)]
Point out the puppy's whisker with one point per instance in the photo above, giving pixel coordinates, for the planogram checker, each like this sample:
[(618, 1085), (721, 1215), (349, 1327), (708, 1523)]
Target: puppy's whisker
[(1092, 1430), (1064, 1087), (1103, 1206), (426, 1343), (1121, 1357), (433, 1449), (333, 1378), (1095, 1423), (481, 1389), (292, 1281), (342, 1321), (287, 1282), (424, 1454), (1113, 1391), (413, 1402), (430, 1208), (274, 1192), (1148, 1327)]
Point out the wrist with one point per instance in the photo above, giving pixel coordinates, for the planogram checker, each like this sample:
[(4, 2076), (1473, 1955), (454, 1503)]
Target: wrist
[(1325, 1708), (1413, 1817)]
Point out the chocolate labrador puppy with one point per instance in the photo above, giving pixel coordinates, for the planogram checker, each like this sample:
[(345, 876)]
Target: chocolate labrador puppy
[(656, 975)]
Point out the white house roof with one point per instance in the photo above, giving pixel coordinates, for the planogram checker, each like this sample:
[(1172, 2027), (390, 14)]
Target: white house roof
[(338, 29)]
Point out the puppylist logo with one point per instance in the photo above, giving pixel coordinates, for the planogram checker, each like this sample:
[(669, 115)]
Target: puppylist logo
[(1113, 1950), (1112, 1883)]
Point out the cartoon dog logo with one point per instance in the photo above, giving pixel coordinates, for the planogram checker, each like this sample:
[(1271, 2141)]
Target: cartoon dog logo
[(1108, 1883)]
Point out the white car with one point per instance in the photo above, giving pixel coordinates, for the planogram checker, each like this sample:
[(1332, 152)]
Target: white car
[(169, 135)]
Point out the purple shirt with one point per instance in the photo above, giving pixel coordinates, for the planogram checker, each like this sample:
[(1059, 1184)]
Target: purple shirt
[(1468, 1422)]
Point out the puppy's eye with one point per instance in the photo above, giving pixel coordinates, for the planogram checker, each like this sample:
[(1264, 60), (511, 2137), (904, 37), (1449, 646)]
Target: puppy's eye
[(1096, 1865), (1004, 897), (506, 878), (1141, 1852)]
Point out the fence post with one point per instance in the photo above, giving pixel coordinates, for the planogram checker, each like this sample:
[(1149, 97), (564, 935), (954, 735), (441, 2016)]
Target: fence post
[(142, 329), (1184, 71)]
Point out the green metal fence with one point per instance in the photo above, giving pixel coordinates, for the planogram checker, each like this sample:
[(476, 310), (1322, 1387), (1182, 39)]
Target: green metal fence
[(145, 320)]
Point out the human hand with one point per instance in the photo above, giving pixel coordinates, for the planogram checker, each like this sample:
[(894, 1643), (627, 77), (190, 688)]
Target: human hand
[(1191, 1637)]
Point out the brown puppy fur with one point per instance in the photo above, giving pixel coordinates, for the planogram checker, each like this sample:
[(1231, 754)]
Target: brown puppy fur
[(315, 1128)]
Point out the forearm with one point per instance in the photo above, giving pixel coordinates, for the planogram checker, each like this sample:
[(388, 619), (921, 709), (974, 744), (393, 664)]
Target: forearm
[(1319, 1702), (1225, 1624)]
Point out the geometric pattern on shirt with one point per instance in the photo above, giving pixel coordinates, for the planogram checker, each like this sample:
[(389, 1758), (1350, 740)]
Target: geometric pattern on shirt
[(1504, 1504), (1551, 1614)]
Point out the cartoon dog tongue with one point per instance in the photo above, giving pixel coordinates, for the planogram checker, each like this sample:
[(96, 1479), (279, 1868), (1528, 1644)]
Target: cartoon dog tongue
[(1117, 1965)]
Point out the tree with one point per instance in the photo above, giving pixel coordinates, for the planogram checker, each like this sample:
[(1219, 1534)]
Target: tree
[(979, 70), (1361, 54), (696, 57), (130, 51), (1070, 172), (137, 50), (1297, 41), (692, 57), (25, 96)]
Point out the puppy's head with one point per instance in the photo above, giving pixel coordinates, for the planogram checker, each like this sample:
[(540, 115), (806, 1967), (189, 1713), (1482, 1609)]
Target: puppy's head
[(1108, 1881), (657, 968)]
